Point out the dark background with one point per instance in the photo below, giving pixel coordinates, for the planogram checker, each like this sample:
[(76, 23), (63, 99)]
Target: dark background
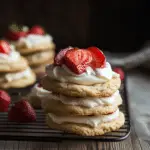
[(115, 25)]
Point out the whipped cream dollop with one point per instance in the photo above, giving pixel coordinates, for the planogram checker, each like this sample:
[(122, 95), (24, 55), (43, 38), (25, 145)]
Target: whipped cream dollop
[(90, 77), (15, 76), (39, 92), (88, 102), (33, 40), (92, 121), (11, 57)]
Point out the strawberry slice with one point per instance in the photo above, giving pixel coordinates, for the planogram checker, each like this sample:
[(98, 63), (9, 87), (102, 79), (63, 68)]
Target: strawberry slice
[(4, 47), (36, 30), (120, 72), (22, 111), (15, 35), (4, 101), (59, 58), (15, 32), (99, 59), (77, 60)]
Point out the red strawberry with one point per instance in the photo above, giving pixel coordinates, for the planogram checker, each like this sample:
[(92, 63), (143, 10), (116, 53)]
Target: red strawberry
[(99, 59), (4, 101), (59, 58), (77, 60), (4, 47), (15, 35), (37, 30), (22, 111), (15, 32), (120, 72)]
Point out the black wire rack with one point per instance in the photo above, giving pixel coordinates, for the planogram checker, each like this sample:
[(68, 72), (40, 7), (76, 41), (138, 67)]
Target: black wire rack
[(38, 131)]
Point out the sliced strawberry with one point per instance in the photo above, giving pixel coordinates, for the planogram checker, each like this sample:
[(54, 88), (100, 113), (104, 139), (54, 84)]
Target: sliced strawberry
[(4, 47), (4, 101), (22, 111), (15, 35), (99, 59), (120, 72), (77, 60), (37, 30), (58, 60), (15, 32)]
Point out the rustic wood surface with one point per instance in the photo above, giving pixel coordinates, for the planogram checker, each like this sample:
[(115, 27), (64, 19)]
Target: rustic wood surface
[(133, 142)]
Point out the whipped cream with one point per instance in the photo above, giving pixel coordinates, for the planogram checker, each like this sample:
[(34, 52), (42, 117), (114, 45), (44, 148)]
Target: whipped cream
[(11, 57), (15, 76), (90, 77), (33, 40), (39, 92), (88, 102), (92, 121)]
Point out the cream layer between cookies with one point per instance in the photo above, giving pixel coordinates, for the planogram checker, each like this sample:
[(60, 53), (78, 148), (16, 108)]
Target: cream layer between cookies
[(39, 92), (18, 75), (92, 121), (90, 77), (32, 40), (88, 102), (13, 56)]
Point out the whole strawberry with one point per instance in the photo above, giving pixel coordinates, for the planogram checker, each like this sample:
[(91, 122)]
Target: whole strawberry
[(36, 30), (15, 32), (22, 111), (4, 101)]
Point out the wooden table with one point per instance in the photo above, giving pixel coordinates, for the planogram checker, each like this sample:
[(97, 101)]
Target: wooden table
[(133, 142)]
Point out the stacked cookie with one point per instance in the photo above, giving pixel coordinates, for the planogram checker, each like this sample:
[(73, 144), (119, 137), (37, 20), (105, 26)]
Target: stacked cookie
[(38, 50), (36, 46), (84, 96), (14, 69), (36, 95)]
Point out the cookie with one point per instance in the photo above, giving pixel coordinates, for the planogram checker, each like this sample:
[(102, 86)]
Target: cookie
[(18, 83), (86, 130), (40, 58), (14, 66), (58, 107), (36, 94), (24, 50), (40, 69), (98, 90)]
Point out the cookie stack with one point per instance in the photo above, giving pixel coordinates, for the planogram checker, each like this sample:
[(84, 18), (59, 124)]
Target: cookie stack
[(84, 96), (36, 95), (14, 69), (38, 48)]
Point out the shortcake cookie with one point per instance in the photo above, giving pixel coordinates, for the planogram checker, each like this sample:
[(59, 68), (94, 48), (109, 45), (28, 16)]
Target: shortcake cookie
[(17, 79), (36, 95), (59, 104), (70, 89), (33, 43), (11, 61), (86, 125), (39, 58), (40, 69), (84, 96)]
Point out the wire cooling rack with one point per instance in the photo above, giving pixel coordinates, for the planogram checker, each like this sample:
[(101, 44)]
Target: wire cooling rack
[(38, 131)]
